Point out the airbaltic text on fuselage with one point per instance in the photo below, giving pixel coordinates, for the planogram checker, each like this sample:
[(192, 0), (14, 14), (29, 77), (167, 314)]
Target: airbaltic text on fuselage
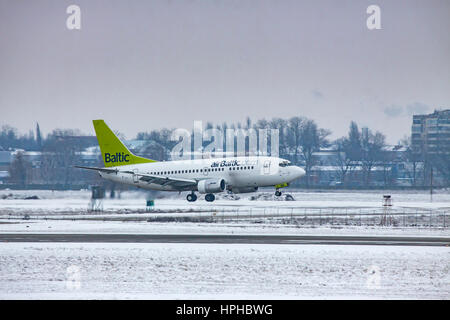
[(224, 163), (118, 157)]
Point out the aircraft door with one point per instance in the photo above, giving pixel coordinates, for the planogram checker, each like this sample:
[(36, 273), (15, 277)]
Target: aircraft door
[(266, 167)]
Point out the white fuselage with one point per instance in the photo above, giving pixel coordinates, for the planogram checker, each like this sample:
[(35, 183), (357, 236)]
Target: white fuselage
[(238, 173)]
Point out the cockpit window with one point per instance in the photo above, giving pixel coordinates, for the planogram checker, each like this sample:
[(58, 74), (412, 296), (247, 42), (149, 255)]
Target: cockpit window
[(285, 163)]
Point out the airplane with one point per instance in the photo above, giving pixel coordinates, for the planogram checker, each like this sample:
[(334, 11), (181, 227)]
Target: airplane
[(206, 176)]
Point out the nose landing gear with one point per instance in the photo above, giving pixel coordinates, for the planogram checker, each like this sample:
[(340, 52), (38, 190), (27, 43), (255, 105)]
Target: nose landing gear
[(278, 193)]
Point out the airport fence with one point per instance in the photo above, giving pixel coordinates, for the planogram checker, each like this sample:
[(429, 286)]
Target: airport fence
[(298, 216), (407, 217)]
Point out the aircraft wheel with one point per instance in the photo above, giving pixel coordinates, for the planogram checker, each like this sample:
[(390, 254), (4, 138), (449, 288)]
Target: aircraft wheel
[(191, 197), (278, 193), (210, 197)]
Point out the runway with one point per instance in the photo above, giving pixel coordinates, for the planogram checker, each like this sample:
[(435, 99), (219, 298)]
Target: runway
[(225, 239)]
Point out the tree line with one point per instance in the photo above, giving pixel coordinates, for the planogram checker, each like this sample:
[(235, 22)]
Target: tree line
[(360, 151)]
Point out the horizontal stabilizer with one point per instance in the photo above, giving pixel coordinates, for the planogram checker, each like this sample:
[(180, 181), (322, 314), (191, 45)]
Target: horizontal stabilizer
[(106, 170)]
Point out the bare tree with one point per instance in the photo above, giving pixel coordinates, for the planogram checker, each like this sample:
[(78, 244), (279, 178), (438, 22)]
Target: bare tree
[(372, 147), (412, 161), (295, 127), (19, 170), (311, 140), (63, 152), (343, 159)]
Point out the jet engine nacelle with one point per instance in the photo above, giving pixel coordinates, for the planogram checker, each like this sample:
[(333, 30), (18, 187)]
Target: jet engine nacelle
[(244, 189), (211, 185)]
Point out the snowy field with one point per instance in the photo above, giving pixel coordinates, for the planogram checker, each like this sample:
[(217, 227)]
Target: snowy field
[(214, 271), (13, 201), (133, 227), (347, 209), (66, 211)]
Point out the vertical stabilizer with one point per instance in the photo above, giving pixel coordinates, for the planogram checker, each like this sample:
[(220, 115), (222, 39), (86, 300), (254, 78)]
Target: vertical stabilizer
[(114, 152)]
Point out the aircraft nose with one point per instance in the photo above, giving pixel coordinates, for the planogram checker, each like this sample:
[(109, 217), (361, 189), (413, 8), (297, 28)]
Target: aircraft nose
[(298, 172)]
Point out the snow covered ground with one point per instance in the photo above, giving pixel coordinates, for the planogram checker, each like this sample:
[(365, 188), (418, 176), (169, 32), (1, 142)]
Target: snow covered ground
[(133, 227), (75, 201), (215, 271), (311, 208)]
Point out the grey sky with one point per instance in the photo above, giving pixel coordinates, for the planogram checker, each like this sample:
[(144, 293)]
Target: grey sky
[(142, 65)]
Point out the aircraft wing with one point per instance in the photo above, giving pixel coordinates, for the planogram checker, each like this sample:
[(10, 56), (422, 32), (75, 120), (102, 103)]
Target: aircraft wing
[(164, 181)]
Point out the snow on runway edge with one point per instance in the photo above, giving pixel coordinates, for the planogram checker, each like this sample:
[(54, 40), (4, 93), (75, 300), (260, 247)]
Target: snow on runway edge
[(215, 271)]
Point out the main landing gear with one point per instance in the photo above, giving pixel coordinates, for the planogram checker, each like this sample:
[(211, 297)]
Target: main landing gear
[(210, 197), (278, 193), (191, 197)]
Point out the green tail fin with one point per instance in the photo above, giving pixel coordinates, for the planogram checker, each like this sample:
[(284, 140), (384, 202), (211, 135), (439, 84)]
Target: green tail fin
[(114, 152)]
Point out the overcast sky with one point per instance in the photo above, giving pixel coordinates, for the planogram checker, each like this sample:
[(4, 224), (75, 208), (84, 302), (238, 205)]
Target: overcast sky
[(143, 65)]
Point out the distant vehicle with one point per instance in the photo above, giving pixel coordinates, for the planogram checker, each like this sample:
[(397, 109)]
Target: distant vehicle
[(206, 176)]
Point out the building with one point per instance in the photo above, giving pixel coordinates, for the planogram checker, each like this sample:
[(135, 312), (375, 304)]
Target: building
[(430, 133), (5, 161)]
